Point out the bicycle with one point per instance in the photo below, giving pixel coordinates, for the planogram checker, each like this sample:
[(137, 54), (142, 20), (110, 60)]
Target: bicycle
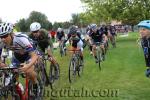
[(14, 90), (11, 74), (75, 65), (54, 69), (62, 50), (99, 54)]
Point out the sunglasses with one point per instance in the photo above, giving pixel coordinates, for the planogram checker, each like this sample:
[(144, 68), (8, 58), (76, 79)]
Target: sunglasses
[(5, 36)]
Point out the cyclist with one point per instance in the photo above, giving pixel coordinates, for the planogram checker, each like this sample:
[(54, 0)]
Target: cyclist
[(144, 30), (112, 34), (96, 36), (88, 31), (60, 36), (52, 33), (23, 51), (76, 40), (104, 29), (43, 41)]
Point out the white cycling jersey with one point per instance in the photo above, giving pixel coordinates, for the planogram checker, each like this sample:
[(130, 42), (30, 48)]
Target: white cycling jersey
[(21, 43)]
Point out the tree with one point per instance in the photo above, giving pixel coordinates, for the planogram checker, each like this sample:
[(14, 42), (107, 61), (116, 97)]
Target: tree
[(75, 19), (41, 18), (127, 11), (23, 26)]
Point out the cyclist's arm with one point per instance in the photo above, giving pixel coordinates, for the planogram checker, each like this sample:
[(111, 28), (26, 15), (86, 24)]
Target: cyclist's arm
[(49, 51), (34, 58), (90, 39), (68, 37), (104, 38), (50, 42), (63, 34)]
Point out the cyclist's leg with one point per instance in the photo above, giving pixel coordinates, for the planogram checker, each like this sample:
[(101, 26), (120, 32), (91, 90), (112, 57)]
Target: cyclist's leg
[(103, 51), (80, 46), (90, 45), (32, 76), (19, 89), (147, 62), (59, 41), (107, 44), (94, 52), (114, 41)]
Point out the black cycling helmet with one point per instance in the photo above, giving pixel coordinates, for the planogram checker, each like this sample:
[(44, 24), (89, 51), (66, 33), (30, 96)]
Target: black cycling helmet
[(73, 29)]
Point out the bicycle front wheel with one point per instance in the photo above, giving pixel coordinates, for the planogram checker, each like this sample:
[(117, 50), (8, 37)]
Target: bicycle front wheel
[(54, 72), (72, 70)]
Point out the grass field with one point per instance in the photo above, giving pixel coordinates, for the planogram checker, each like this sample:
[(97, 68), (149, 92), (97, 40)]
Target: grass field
[(122, 76)]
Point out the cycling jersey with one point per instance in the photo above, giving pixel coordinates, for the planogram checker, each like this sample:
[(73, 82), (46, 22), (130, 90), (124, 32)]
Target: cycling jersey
[(112, 30), (146, 48), (59, 35), (43, 41), (96, 37), (104, 30), (21, 45)]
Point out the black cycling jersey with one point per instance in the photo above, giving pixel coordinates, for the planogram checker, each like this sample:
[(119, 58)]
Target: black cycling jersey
[(146, 48), (104, 30), (112, 30), (59, 35), (75, 39), (97, 37)]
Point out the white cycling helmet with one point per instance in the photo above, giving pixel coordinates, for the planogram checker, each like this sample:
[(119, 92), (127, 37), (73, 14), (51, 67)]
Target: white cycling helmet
[(59, 29), (5, 28), (35, 26)]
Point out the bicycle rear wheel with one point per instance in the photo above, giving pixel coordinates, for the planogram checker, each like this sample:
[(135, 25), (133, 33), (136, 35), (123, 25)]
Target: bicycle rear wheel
[(72, 70)]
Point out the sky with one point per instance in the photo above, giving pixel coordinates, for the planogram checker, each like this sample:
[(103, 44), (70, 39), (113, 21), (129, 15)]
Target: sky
[(55, 10)]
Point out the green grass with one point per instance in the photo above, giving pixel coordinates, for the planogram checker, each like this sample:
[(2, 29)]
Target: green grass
[(123, 71)]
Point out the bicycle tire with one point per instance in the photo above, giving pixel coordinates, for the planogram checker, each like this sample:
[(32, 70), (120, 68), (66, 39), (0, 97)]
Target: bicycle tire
[(44, 75), (42, 87), (99, 59), (54, 68), (72, 70), (80, 67), (61, 50)]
